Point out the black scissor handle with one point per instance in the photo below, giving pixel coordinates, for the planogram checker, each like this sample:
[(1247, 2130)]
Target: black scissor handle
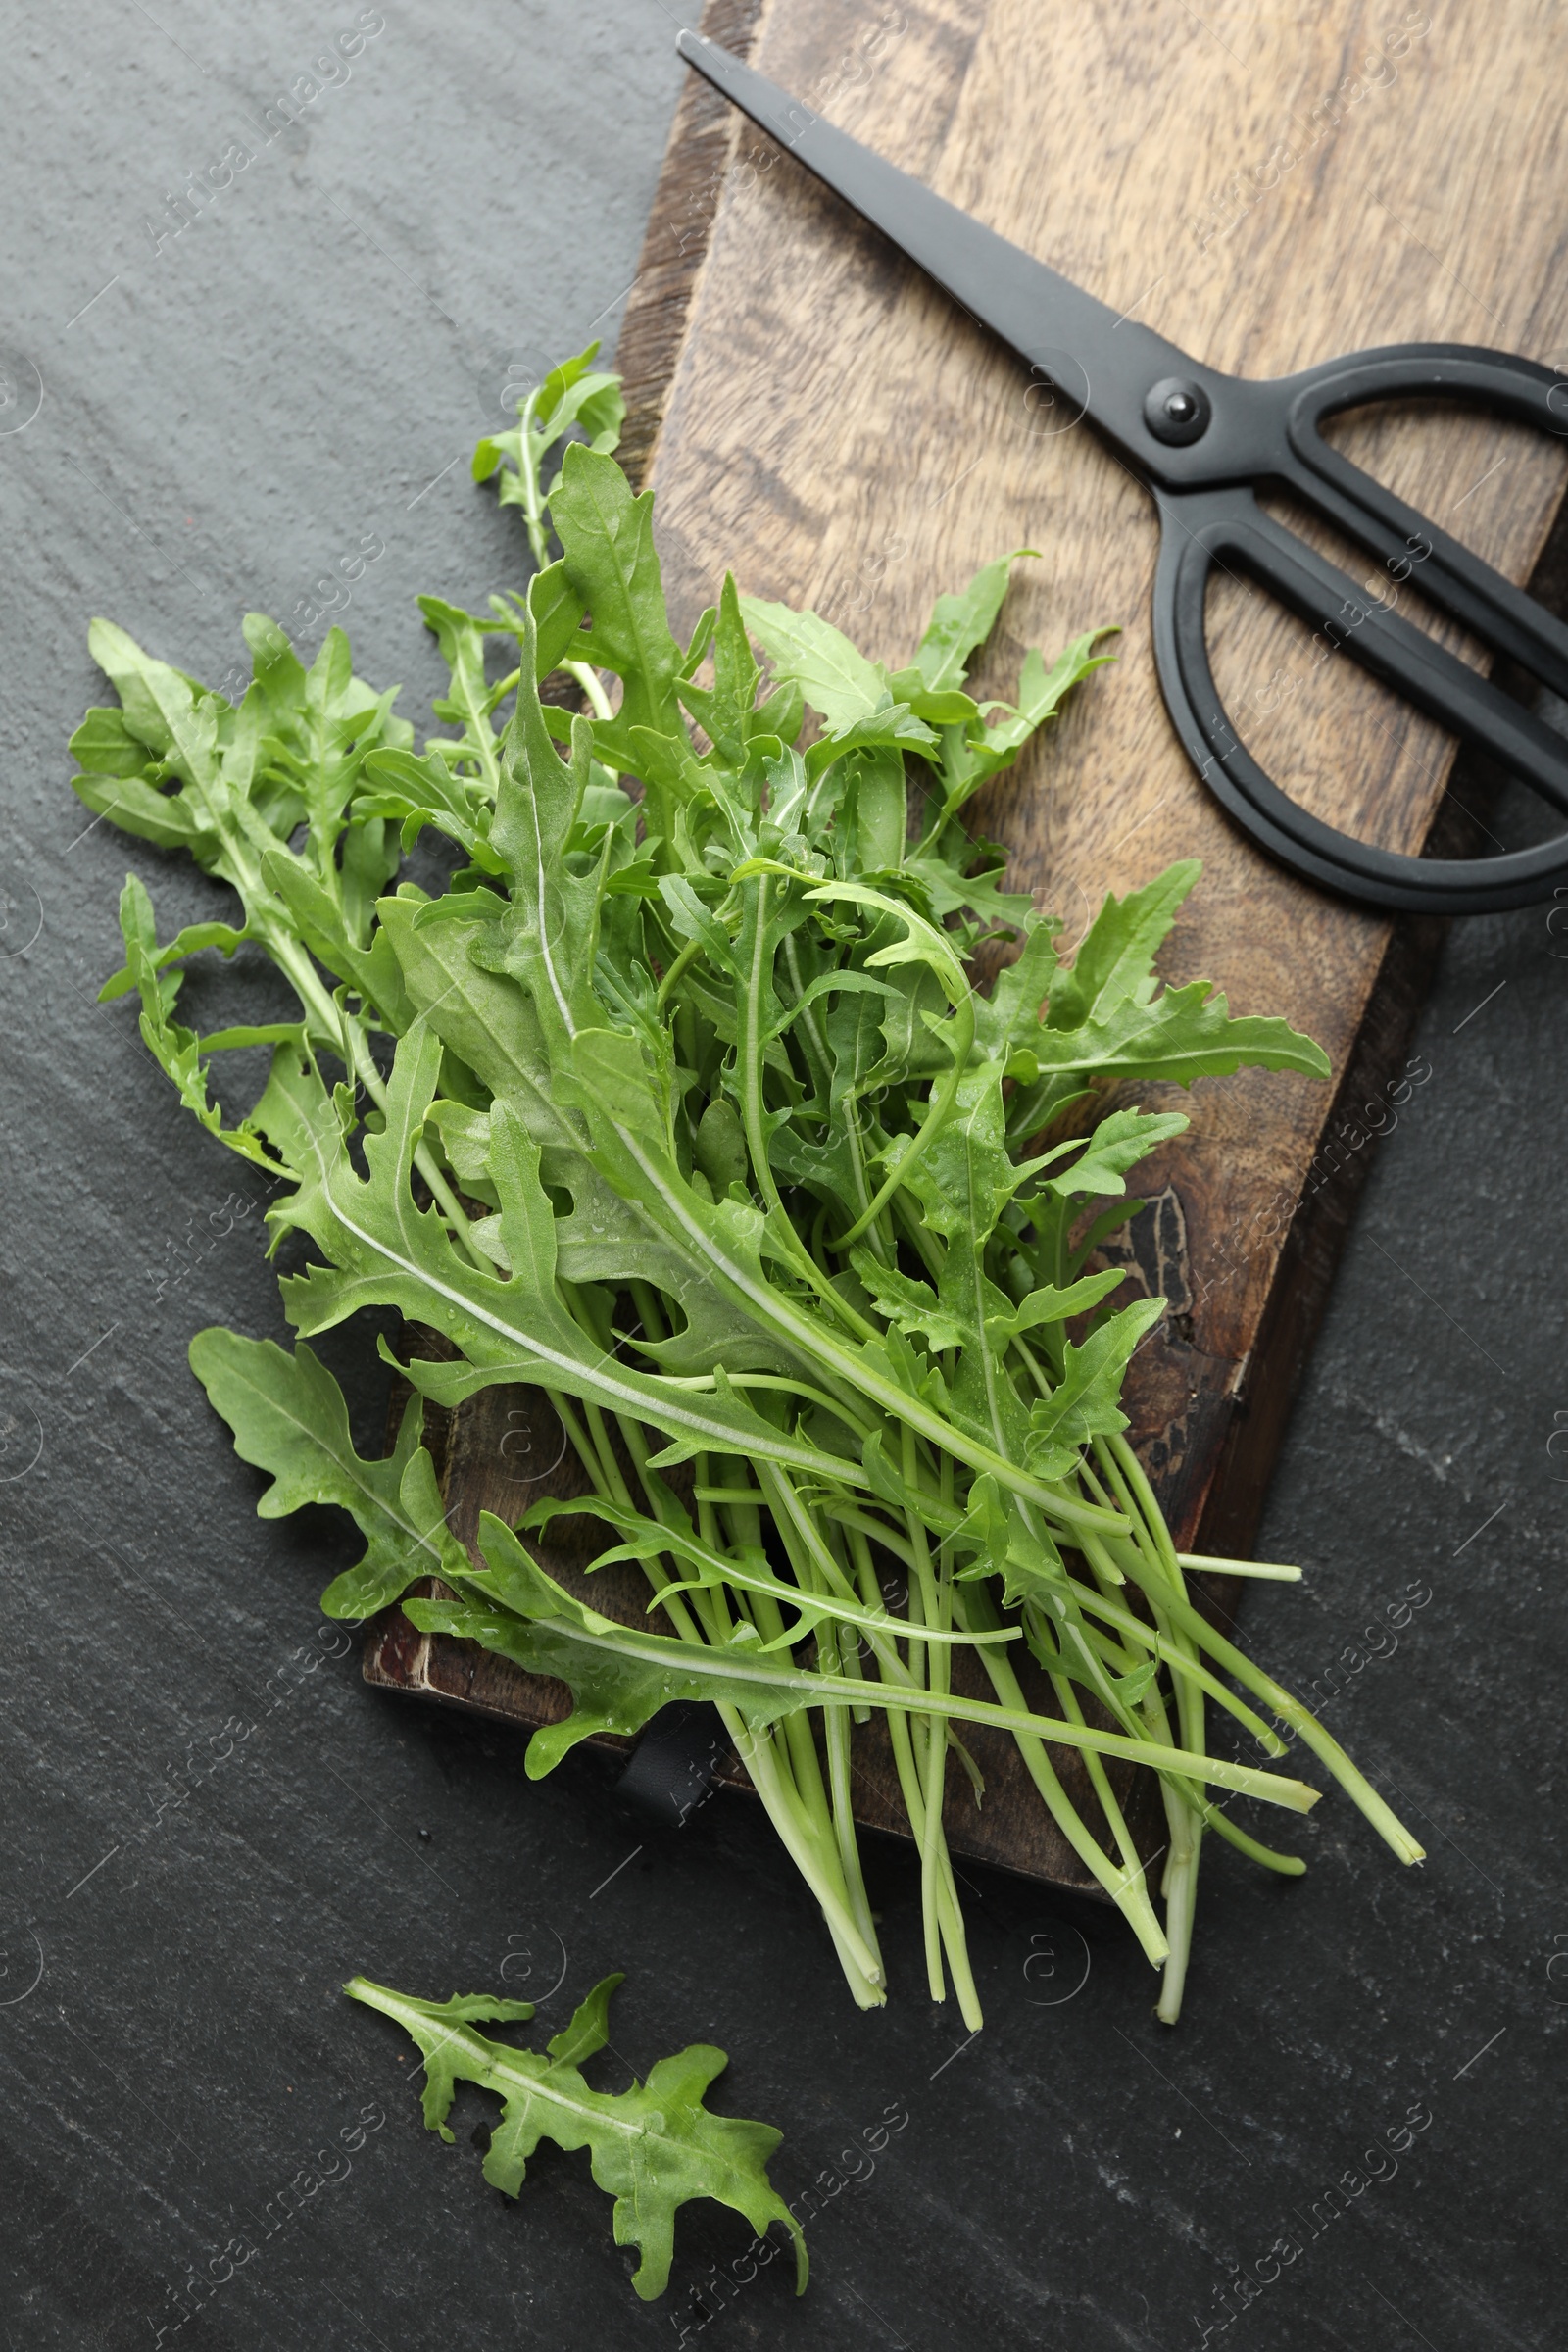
[(1206, 527), (1503, 616)]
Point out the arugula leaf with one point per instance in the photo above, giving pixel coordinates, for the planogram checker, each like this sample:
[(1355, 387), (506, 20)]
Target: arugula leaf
[(1048, 1304), (958, 623), (837, 680), (1120, 1141), (620, 1678), (288, 1417), (574, 393), (970, 758), (608, 559), (652, 2147), (914, 1306), (177, 1051), (1085, 1403), (727, 709), (1180, 1034), (1115, 956), (1041, 695)]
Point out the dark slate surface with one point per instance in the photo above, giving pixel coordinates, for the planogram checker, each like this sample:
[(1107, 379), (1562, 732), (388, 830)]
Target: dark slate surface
[(305, 367)]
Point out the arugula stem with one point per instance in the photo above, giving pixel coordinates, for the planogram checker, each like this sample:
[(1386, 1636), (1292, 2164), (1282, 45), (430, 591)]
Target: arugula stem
[(1125, 1889), (950, 1912), (1303, 1723), (805, 1558), (1269, 1857), (753, 1118), (1098, 1779), (837, 1730), (1186, 1808), (862, 1523), (678, 972), (823, 1830), (1165, 1648), (698, 1382), (949, 1918), (800, 1816), (819, 1060), (924, 1596), (580, 1442), (863, 1966), (1180, 1884), (930, 1732), (533, 505), (593, 687)]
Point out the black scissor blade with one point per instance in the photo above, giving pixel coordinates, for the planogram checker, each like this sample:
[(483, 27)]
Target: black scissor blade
[(1103, 363)]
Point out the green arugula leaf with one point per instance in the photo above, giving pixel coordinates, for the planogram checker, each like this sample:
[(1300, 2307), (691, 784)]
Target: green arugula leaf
[(805, 651), (619, 1677), (1115, 957), (727, 709), (912, 1307), (968, 1175), (1179, 1034), (1042, 693), (608, 557), (652, 2147), (971, 757), (952, 892), (487, 1018), (1084, 1404), (958, 623), (178, 1052), (426, 792), (1118, 1143), (288, 1417), (1048, 1304), (574, 393)]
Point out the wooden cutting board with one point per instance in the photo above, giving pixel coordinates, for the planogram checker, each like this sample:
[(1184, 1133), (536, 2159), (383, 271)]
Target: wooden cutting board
[(1266, 185)]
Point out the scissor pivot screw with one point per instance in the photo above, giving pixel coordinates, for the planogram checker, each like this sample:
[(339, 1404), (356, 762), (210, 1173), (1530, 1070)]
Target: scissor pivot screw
[(1177, 411)]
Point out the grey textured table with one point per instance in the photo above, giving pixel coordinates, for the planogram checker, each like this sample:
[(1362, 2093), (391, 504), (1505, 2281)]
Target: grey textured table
[(224, 413)]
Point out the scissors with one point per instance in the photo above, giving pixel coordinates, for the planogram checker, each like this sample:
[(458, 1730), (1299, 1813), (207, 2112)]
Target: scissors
[(1202, 442)]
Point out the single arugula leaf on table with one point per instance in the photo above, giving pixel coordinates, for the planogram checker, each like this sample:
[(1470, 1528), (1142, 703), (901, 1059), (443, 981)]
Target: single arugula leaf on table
[(653, 2148)]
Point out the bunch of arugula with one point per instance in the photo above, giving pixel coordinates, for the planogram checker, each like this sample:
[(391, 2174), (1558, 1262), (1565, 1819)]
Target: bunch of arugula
[(681, 1104)]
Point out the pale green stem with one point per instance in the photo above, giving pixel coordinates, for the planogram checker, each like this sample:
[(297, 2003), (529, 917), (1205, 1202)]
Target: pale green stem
[(1128, 1894), (950, 1912), (862, 1967), (808, 1559), (925, 1593), (1185, 1806), (1290, 1711), (788, 1813)]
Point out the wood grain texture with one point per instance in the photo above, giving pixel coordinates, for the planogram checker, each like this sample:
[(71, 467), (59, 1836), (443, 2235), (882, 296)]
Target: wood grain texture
[(1266, 186)]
